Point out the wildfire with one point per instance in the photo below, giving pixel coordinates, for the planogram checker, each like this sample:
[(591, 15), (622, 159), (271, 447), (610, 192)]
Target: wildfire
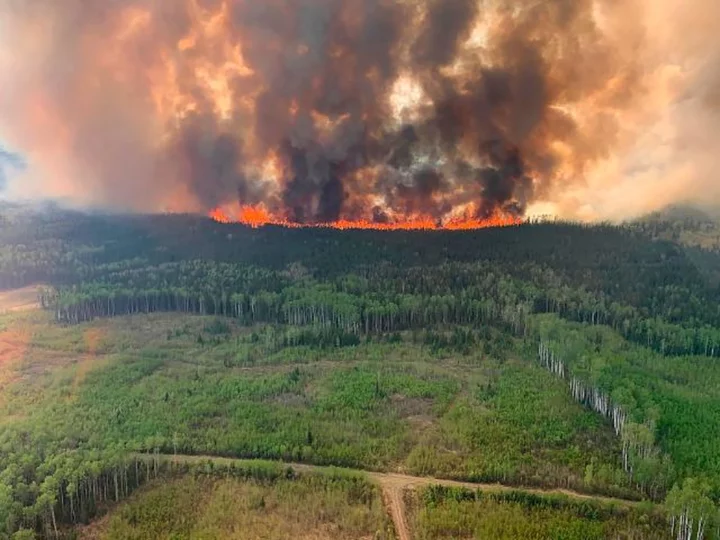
[(402, 115), (257, 216)]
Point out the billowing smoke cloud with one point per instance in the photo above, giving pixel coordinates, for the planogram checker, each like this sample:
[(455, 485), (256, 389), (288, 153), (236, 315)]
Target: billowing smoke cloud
[(319, 110), (667, 143)]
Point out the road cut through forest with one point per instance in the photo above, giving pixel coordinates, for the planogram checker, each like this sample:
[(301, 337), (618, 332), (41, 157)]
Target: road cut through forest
[(394, 485)]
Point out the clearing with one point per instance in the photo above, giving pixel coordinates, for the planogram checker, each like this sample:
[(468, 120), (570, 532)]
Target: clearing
[(395, 485), (310, 507), (19, 299)]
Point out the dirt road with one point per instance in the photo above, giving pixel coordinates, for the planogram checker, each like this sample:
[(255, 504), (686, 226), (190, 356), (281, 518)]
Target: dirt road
[(394, 486), (395, 504)]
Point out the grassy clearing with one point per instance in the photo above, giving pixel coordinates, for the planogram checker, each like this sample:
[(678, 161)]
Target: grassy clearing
[(523, 426), (439, 513), (174, 382), (18, 300), (316, 507)]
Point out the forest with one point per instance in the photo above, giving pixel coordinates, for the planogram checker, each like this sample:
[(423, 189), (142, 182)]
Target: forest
[(547, 355)]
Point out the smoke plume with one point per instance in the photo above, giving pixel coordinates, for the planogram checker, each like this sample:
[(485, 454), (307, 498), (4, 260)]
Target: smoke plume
[(386, 111)]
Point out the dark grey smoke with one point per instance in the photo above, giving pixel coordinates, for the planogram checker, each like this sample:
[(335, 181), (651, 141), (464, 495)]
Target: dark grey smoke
[(485, 138)]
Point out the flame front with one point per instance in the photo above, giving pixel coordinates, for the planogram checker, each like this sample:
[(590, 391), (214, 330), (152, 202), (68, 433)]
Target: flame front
[(355, 113), (258, 216)]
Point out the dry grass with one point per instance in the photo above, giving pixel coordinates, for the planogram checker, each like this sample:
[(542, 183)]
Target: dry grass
[(309, 508), (19, 299)]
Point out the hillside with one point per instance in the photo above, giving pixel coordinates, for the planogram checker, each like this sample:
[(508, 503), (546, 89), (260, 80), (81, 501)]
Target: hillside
[(548, 355), (687, 225)]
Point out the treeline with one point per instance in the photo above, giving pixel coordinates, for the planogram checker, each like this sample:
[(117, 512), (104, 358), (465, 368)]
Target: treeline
[(78, 488), (305, 302), (70, 489), (374, 300), (44, 261), (692, 512), (653, 292), (663, 409), (618, 264), (641, 459), (49, 483)]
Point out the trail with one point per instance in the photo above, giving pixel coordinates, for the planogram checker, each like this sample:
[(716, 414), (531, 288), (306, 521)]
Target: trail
[(394, 486), (396, 505)]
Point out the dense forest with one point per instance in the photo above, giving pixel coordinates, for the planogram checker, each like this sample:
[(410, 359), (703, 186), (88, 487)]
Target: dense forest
[(622, 322), (653, 292)]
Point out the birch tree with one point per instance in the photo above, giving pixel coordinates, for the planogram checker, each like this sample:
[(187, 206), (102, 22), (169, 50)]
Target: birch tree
[(691, 509)]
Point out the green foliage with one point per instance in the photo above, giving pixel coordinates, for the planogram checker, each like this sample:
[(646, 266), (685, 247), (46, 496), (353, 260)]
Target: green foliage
[(24, 534), (460, 513), (519, 424), (692, 510), (406, 350), (375, 405), (217, 327), (651, 291), (675, 401), (322, 507)]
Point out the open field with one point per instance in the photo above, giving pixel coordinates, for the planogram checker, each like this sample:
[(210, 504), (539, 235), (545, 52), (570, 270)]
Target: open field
[(147, 380), (18, 299), (187, 384), (399, 489), (440, 513), (306, 508), (420, 507)]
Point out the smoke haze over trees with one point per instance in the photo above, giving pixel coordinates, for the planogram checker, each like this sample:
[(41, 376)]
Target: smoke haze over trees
[(8, 162)]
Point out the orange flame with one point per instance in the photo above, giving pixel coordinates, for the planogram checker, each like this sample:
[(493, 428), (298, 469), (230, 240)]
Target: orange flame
[(220, 216), (257, 216)]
